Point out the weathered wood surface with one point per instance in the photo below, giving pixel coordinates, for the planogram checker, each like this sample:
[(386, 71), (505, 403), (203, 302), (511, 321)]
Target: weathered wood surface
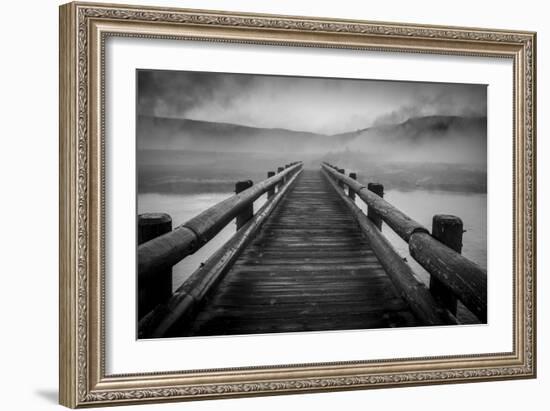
[(377, 189), (466, 279), (463, 277), (308, 268), (156, 289), (246, 214), (165, 319), (152, 225), (447, 229), (415, 293)]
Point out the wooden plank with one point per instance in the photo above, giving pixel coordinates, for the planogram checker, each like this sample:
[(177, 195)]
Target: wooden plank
[(167, 250), (164, 319), (466, 280), (308, 268), (420, 300)]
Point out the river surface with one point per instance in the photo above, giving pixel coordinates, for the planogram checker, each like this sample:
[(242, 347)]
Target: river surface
[(420, 205)]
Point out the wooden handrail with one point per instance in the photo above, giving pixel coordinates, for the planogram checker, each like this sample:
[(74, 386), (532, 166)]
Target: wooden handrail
[(403, 225), (170, 248), (168, 318), (464, 278), (416, 294)]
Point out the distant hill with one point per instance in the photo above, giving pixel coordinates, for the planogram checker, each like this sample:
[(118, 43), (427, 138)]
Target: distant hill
[(417, 128), (184, 134), (446, 139), (452, 139)]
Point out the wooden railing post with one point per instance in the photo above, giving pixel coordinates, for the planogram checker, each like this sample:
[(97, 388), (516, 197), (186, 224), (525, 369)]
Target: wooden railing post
[(341, 171), (447, 229), (188, 238), (351, 193), (282, 183), (377, 189), (169, 249), (248, 212), (271, 191), (159, 288), (466, 279)]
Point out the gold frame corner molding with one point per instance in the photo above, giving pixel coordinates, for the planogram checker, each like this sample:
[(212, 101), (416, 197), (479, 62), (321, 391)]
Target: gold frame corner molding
[(84, 28)]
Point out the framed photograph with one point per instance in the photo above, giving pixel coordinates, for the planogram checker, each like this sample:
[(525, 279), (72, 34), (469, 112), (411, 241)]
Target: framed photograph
[(259, 204)]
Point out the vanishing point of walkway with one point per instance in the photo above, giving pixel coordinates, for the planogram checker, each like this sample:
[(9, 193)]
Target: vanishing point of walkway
[(309, 268)]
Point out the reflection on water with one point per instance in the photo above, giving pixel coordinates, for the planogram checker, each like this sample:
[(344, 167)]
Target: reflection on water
[(183, 207), (420, 205)]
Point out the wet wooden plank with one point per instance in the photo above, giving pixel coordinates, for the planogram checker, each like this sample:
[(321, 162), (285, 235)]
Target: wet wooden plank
[(308, 269)]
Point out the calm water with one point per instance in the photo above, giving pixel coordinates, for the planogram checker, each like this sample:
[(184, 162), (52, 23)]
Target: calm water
[(420, 205)]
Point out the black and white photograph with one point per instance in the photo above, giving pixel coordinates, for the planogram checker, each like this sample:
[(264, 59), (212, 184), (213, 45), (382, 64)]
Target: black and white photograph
[(283, 204)]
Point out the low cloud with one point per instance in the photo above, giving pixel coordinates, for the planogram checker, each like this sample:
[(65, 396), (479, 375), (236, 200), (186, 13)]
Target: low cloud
[(464, 104)]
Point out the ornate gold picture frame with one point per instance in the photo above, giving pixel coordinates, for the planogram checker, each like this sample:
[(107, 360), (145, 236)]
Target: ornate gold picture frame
[(84, 30)]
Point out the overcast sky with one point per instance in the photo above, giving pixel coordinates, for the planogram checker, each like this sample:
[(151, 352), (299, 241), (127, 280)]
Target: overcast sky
[(320, 105)]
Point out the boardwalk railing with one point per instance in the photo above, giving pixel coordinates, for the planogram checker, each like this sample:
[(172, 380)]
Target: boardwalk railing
[(451, 272), (158, 255)]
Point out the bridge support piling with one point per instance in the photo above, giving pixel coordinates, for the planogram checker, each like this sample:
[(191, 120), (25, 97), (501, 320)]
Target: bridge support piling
[(447, 229), (271, 191), (248, 212), (159, 289), (351, 193), (377, 189)]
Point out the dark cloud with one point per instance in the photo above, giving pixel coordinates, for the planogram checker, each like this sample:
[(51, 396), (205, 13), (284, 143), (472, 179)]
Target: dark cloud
[(174, 93), (321, 105)]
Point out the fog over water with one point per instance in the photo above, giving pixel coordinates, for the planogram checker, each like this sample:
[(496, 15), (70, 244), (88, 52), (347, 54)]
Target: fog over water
[(198, 133)]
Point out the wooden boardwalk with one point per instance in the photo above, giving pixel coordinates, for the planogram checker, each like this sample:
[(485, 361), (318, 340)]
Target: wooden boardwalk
[(309, 268)]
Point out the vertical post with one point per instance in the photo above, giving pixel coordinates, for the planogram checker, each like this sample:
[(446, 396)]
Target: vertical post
[(351, 193), (248, 212), (282, 182), (271, 191), (341, 171), (447, 229), (156, 291), (377, 189)]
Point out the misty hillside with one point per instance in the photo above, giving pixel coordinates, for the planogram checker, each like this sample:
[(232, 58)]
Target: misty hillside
[(435, 152), (448, 139), (433, 138), (418, 129), (184, 134)]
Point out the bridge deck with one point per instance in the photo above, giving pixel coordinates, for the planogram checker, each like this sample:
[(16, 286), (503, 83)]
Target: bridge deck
[(308, 269)]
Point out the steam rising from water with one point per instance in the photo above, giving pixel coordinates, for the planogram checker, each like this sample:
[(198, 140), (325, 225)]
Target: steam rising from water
[(197, 126)]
